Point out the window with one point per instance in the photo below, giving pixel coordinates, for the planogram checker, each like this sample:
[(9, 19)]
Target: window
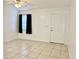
[(24, 23)]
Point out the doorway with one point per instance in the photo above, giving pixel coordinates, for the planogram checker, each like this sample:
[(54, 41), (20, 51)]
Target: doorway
[(57, 25)]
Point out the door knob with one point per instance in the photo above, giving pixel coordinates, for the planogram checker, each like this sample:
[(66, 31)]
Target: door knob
[(51, 30)]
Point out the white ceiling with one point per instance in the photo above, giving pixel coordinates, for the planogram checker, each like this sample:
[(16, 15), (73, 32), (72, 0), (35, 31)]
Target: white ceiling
[(48, 3)]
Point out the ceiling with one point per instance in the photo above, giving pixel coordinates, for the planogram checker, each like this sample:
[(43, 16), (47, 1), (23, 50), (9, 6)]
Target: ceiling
[(47, 3), (50, 3)]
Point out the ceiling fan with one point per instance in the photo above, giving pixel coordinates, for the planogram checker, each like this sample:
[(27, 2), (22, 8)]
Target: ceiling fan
[(17, 3)]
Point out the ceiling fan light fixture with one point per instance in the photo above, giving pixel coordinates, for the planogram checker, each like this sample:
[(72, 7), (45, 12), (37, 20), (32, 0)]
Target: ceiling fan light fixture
[(17, 5)]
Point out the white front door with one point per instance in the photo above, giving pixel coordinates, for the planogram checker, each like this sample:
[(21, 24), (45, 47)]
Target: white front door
[(57, 28)]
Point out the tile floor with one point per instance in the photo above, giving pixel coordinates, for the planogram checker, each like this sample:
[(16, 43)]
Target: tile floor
[(28, 49)]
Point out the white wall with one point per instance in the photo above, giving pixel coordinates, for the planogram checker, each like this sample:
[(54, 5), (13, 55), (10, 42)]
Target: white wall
[(10, 19), (70, 33), (41, 23), (70, 39)]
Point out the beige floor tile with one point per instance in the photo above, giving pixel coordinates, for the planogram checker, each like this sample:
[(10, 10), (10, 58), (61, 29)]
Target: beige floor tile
[(28, 49)]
